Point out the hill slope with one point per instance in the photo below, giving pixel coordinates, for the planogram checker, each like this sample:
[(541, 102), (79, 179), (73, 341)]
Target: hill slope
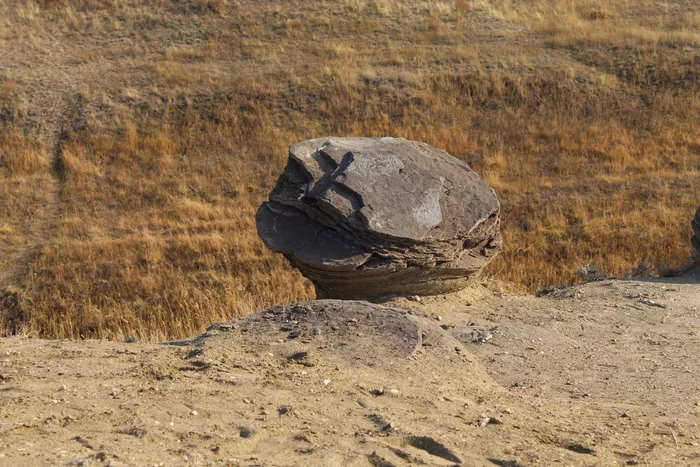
[(136, 140)]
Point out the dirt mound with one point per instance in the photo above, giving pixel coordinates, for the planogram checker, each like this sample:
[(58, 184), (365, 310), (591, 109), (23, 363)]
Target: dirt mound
[(354, 334)]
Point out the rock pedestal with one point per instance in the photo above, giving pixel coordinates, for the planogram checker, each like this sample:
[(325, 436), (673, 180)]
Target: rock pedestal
[(367, 217)]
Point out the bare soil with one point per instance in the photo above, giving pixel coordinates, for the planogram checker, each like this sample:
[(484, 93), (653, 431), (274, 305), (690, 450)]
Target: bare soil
[(597, 374)]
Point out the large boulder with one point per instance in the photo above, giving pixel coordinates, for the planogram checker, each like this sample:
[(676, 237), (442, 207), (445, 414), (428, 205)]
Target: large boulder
[(367, 217)]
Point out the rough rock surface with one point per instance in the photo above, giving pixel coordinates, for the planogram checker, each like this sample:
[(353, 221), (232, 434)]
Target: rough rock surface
[(366, 217), (351, 332), (696, 231)]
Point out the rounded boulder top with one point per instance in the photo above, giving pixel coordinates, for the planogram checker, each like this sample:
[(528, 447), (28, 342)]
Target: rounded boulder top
[(365, 217)]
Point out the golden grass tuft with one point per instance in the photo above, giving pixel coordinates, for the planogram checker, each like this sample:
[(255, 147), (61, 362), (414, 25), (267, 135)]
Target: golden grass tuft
[(21, 155), (462, 7)]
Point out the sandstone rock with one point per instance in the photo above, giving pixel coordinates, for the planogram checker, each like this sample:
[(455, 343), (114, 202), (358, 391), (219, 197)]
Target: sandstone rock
[(365, 217), (696, 231)]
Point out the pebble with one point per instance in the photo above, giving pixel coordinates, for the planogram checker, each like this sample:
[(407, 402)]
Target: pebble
[(246, 432), (394, 391), (194, 412), (489, 421)]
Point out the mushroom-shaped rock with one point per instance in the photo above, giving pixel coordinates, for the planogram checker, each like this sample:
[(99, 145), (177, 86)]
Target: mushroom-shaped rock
[(367, 217)]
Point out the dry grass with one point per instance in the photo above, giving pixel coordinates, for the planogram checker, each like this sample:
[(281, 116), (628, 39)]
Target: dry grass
[(582, 115)]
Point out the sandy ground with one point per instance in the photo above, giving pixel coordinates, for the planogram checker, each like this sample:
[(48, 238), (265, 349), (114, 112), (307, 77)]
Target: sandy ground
[(599, 374)]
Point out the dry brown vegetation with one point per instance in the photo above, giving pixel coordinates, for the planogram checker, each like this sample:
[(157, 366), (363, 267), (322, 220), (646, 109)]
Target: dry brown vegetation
[(137, 139)]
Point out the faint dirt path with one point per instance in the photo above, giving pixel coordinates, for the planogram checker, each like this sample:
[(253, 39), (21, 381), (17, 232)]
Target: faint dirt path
[(50, 85)]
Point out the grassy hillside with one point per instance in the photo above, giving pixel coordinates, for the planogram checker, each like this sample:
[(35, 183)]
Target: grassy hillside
[(138, 138)]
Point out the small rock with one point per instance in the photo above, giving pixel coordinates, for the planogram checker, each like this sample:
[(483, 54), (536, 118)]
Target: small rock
[(284, 410), (415, 298), (394, 391), (489, 421), (246, 432), (483, 338), (377, 391), (298, 357), (194, 412), (579, 448)]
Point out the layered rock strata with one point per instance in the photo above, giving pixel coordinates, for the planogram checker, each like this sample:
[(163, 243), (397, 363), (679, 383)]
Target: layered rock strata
[(367, 217)]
